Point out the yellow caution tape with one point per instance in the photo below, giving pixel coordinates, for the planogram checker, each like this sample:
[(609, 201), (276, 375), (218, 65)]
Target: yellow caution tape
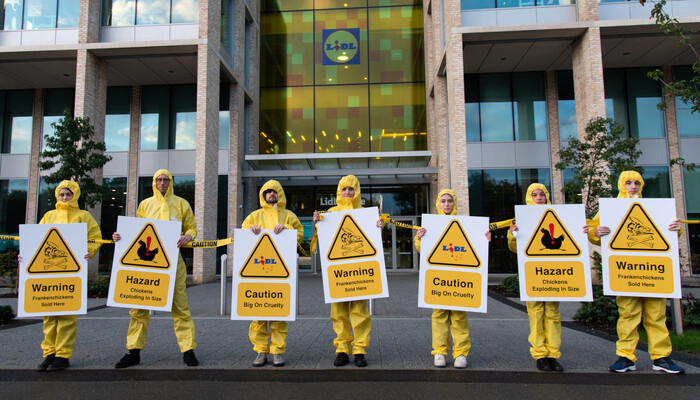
[(385, 218), (208, 244), (7, 237), (501, 224)]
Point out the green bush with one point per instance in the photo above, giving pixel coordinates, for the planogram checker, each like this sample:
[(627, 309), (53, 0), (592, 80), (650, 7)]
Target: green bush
[(6, 314), (99, 288), (511, 285), (8, 266), (601, 309), (691, 311)]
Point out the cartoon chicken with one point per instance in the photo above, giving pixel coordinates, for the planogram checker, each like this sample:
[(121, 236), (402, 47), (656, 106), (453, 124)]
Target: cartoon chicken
[(144, 251)]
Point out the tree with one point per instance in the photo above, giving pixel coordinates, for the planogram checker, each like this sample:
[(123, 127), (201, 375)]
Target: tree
[(597, 161), (72, 154)]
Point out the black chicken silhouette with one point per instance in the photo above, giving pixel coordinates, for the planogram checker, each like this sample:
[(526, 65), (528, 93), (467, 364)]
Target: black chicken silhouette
[(549, 241), (143, 251)]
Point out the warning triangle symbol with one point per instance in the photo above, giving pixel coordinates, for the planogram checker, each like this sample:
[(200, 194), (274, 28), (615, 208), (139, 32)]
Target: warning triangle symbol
[(146, 250), (454, 249), (350, 242), (637, 232), (53, 256), (264, 261), (551, 239)]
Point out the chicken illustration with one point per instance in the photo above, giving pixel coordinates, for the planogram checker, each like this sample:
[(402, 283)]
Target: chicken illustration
[(55, 257), (549, 241), (351, 243), (145, 252), (639, 233)]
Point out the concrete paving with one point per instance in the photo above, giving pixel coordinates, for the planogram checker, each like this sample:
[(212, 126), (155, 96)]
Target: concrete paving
[(400, 339)]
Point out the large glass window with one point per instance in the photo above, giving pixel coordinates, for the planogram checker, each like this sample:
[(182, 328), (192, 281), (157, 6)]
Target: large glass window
[(16, 108), (227, 7), (13, 14), (118, 118), (688, 122), (13, 206), (341, 118), (40, 14), (56, 101), (631, 99), (168, 117), (397, 120), (505, 107), (185, 11), (657, 182), (287, 48), (478, 4), (149, 12), (118, 12), (691, 183), (224, 115), (113, 205), (68, 13), (566, 104), (47, 198)]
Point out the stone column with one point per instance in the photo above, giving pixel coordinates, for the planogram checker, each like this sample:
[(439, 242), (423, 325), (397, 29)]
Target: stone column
[(589, 90), (553, 122), (431, 26), (587, 10), (89, 21), (33, 182), (132, 181)]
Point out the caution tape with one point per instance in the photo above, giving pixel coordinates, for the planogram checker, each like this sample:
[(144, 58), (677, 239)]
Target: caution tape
[(7, 237), (501, 224), (385, 218), (208, 244)]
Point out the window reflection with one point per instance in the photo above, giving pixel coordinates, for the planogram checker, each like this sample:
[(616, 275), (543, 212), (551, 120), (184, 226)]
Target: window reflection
[(631, 99), (13, 12), (118, 12), (688, 122), (185, 11), (150, 12), (40, 14), (13, 208), (68, 13), (118, 119), (566, 105), (149, 131)]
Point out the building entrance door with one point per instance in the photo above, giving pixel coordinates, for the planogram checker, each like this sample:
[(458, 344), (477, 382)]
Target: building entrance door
[(399, 252)]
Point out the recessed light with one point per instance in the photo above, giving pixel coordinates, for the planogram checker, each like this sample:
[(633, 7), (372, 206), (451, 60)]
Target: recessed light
[(626, 53), (66, 75), (171, 71), (503, 58)]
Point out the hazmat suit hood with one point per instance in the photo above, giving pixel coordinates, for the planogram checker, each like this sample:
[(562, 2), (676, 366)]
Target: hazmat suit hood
[(347, 203), (627, 176), (66, 208), (162, 200), (532, 188), (274, 185), (454, 198)]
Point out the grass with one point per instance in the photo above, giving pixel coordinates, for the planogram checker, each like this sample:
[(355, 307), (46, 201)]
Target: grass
[(689, 342)]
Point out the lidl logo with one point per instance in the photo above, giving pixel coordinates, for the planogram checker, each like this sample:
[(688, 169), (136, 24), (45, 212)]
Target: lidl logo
[(454, 249), (341, 46), (264, 261)]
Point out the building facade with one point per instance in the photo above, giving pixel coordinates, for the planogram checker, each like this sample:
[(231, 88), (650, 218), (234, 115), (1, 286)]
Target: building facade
[(410, 96)]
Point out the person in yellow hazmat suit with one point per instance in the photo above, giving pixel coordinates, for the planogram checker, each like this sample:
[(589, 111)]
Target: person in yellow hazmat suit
[(444, 321), (544, 316), (60, 330), (164, 205), (271, 215), (633, 309), (349, 313)]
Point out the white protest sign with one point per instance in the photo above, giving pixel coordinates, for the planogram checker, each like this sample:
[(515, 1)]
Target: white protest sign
[(640, 255), (454, 263), (352, 256), (53, 270), (145, 264), (264, 275), (553, 259)]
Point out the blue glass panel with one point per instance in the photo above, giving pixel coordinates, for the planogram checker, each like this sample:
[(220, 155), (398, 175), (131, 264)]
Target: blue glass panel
[(40, 14)]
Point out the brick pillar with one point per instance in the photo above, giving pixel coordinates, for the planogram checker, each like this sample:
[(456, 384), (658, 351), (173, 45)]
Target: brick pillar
[(432, 63), (89, 21), (587, 10), (553, 122), (589, 90), (236, 156), (677, 187), (132, 181), (33, 183)]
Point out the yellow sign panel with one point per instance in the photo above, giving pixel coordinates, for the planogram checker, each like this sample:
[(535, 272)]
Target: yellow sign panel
[(637, 232), (350, 242), (264, 261), (45, 295), (356, 279), (555, 279), (641, 274), (264, 299), (551, 239), (141, 288), (452, 288), (146, 250), (53, 256), (454, 249)]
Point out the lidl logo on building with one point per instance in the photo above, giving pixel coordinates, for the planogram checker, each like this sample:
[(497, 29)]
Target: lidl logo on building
[(341, 46), (53, 256), (454, 249), (264, 261), (551, 239), (637, 232)]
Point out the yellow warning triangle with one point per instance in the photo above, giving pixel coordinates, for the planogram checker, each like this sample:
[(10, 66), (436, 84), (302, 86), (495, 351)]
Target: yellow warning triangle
[(551, 239), (53, 256), (350, 242), (454, 249), (264, 261), (637, 232), (146, 250)]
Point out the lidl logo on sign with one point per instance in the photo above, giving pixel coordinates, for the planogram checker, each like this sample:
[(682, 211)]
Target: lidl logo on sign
[(350, 242), (341, 46), (264, 261), (146, 250), (637, 232), (454, 249), (53, 256), (551, 239)]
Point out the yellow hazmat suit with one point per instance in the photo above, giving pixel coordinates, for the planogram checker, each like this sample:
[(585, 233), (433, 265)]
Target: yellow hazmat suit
[(544, 316), (350, 313), (168, 208), (632, 309), (60, 331), (445, 320), (266, 218)]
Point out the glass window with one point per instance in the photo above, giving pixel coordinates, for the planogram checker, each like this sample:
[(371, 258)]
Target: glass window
[(342, 115), (118, 118), (227, 7), (155, 117), (287, 49), (56, 101), (221, 218), (47, 198), (616, 96), (496, 109), (16, 108), (329, 71), (224, 114), (13, 15), (68, 12), (246, 58), (13, 206), (471, 108), (398, 117), (688, 122), (657, 182), (691, 183), (149, 12), (567, 105), (184, 101), (40, 14), (185, 11), (286, 5), (287, 121), (113, 205), (529, 106), (118, 12), (644, 94)]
